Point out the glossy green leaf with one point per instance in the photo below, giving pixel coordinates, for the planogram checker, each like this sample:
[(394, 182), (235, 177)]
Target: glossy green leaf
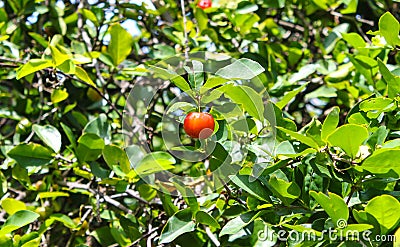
[(213, 82), (377, 104), (389, 28), (166, 74), (288, 192), (302, 138), (49, 135), (51, 194), (59, 95), (67, 221), (180, 223), (188, 195), (289, 96), (354, 39), (81, 74), (385, 209), (254, 188), (303, 73), (32, 66), (349, 137), (90, 146), (31, 154), (333, 205), (115, 156), (241, 69), (383, 161), (250, 100), (155, 162), (100, 127), (206, 219), (90, 16), (238, 223), (330, 123), (11, 206), (393, 82), (57, 56), (120, 44), (18, 220)]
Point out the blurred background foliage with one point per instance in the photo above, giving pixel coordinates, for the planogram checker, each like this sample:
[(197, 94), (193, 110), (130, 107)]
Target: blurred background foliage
[(67, 67)]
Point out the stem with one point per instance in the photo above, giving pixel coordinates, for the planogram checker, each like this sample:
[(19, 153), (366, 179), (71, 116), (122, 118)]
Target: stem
[(186, 43)]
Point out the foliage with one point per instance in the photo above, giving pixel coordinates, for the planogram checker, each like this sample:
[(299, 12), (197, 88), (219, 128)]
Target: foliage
[(330, 69)]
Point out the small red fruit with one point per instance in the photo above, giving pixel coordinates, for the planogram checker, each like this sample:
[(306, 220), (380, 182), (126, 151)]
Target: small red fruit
[(204, 4), (199, 125)]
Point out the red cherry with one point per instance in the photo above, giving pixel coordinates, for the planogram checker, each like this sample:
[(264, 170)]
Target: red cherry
[(199, 125), (204, 4)]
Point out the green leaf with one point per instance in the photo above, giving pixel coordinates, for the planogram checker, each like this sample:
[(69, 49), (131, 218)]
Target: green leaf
[(377, 104), (155, 162), (354, 39), (349, 137), (303, 73), (247, 97), (393, 82), (195, 74), (385, 209), (396, 242), (70, 135), (81, 74), (115, 156), (333, 205), (187, 194), (49, 135), (236, 224), (180, 223), (383, 161), (100, 127), (90, 146), (289, 96), (52, 194), (32, 66), (351, 7), (11, 206), (120, 44), (213, 82), (90, 16), (241, 69), (254, 188), (389, 28), (288, 192), (330, 123), (18, 220), (31, 154), (57, 56), (206, 219), (302, 138), (39, 38), (166, 74), (58, 95), (67, 221)]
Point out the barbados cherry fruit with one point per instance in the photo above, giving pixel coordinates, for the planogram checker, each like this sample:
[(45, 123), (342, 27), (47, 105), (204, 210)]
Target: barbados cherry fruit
[(204, 4), (199, 125)]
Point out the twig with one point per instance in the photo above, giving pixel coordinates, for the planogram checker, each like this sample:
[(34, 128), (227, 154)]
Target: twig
[(144, 236), (97, 90), (186, 44), (211, 236), (368, 22), (93, 191), (132, 193)]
